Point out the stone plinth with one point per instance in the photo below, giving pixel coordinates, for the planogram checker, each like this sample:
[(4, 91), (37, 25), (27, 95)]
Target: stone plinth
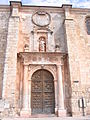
[(25, 113), (61, 113)]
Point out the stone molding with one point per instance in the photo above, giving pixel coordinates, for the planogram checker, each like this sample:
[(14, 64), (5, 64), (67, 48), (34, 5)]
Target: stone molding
[(45, 58), (50, 68)]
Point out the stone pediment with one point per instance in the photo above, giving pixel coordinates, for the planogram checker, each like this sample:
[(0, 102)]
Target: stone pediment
[(42, 58)]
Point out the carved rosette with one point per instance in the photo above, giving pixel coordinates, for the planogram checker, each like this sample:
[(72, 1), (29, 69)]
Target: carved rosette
[(41, 18)]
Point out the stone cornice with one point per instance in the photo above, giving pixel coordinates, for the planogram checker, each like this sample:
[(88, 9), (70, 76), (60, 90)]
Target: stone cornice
[(5, 8), (51, 9), (54, 8), (47, 53), (28, 8), (80, 10)]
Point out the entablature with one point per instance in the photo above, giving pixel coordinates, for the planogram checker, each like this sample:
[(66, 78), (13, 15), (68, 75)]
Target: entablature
[(52, 58)]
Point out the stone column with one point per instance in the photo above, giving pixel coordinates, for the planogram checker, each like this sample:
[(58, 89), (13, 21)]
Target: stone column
[(21, 93), (30, 97), (56, 103), (25, 109), (61, 109)]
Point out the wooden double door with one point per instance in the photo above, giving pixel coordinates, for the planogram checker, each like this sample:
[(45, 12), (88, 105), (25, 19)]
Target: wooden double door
[(42, 92)]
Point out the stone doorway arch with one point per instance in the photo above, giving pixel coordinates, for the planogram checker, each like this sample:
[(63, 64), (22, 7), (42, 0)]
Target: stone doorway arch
[(42, 92)]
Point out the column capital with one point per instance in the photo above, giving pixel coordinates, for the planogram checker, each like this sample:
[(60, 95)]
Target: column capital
[(55, 80), (59, 65), (15, 6), (29, 80), (61, 61), (60, 89), (26, 65)]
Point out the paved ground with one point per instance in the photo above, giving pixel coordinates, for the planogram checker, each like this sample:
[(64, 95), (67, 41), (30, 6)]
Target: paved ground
[(50, 118)]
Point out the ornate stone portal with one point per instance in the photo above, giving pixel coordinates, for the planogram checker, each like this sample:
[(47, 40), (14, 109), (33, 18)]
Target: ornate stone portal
[(43, 84)]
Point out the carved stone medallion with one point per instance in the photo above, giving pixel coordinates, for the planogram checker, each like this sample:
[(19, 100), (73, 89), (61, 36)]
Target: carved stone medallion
[(41, 18)]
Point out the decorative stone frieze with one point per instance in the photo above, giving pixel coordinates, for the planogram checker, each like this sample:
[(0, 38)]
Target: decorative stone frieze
[(42, 58)]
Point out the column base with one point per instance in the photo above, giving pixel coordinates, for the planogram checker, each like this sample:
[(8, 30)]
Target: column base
[(25, 113), (61, 113), (56, 111)]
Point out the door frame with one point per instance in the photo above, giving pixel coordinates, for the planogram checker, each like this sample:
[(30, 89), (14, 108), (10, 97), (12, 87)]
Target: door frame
[(52, 69), (42, 81)]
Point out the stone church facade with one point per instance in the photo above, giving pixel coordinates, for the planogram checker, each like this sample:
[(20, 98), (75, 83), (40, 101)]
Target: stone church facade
[(44, 60)]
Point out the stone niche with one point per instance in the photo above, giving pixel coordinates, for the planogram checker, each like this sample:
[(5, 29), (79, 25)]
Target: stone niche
[(46, 33)]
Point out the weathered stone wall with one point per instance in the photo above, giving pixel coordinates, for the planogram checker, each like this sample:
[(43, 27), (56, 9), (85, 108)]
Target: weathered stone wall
[(4, 18), (79, 57)]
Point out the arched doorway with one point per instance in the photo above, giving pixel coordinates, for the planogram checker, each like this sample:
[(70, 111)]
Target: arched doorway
[(42, 92)]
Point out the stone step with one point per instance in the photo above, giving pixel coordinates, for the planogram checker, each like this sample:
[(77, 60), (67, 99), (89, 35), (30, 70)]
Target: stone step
[(50, 118)]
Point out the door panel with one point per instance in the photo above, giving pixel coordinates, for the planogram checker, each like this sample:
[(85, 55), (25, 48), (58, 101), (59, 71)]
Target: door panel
[(37, 102), (42, 99)]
